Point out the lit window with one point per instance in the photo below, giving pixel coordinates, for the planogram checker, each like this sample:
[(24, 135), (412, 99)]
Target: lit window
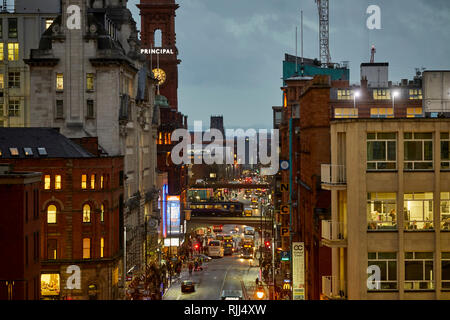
[(2, 55), (418, 207), (58, 182), (101, 182), (445, 211), (47, 182), (346, 113), (2, 78), (413, 112), (83, 181), (28, 151), (13, 51), (415, 94), (59, 81), (344, 94), (14, 151), (50, 284), (102, 247), (86, 213), (381, 112), (381, 94), (51, 214), (90, 81), (381, 211), (92, 181), (102, 213), (86, 248), (48, 23)]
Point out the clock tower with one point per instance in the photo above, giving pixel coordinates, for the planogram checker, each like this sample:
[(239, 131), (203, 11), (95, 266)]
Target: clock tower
[(158, 42)]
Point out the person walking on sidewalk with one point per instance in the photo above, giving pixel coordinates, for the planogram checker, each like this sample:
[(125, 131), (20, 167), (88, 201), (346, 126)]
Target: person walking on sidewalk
[(190, 268)]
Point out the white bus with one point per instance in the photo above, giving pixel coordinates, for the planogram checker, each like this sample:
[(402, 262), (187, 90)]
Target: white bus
[(215, 249)]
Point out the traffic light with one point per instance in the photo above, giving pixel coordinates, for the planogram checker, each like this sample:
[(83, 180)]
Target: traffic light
[(267, 243), (196, 246)]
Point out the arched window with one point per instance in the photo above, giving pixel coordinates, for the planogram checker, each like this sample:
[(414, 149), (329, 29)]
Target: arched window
[(102, 213), (51, 214), (86, 213), (158, 38)]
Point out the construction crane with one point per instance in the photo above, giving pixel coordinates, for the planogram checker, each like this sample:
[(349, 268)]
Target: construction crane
[(324, 34)]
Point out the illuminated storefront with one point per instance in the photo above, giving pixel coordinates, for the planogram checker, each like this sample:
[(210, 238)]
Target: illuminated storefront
[(50, 285)]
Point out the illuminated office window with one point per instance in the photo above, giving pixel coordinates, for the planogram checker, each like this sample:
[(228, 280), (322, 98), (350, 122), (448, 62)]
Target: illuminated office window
[(101, 182), (346, 113), (102, 247), (415, 94), (381, 112), (2, 81), (2, 55), (344, 94), (59, 81), (86, 213), (51, 214), (13, 51), (83, 181), (86, 248), (47, 182), (92, 181), (381, 94), (102, 213), (90, 81), (58, 182), (414, 112)]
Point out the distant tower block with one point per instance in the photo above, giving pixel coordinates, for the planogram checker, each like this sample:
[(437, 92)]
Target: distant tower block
[(216, 122)]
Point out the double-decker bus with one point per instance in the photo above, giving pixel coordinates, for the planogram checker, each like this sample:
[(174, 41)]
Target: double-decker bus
[(227, 245), (249, 231), (215, 249)]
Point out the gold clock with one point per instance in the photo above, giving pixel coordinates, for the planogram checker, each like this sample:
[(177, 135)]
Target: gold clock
[(160, 74)]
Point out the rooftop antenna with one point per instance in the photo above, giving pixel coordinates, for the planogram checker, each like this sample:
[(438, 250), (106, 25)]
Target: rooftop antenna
[(5, 3), (372, 56), (301, 15), (296, 55)]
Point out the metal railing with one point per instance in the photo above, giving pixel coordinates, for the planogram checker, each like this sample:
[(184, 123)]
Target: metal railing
[(333, 174), (332, 230)]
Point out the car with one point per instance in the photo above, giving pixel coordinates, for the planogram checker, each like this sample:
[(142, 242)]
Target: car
[(246, 255), (232, 295), (187, 286)]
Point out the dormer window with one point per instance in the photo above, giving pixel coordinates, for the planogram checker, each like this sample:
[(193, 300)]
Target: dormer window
[(14, 151), (28, 151), (42, 151)]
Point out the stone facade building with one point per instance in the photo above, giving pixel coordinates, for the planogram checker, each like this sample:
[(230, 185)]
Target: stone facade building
[(92, 82), (21, 28)]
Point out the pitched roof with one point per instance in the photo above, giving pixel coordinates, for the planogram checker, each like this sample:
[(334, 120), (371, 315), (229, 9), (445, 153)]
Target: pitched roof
[(56, 145)]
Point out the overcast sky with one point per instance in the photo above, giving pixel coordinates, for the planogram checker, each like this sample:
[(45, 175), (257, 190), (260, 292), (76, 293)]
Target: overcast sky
[(232, 50)]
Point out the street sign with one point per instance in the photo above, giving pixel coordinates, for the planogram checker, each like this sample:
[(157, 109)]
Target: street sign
[(285, 256), (284, 164), (298, 266), (284, 209), (284, 232)]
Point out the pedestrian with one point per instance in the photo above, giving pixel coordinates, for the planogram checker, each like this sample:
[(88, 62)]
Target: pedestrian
[(196, 265), (190, 268)]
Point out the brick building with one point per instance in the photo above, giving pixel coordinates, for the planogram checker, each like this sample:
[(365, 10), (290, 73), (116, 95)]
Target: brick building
[(81, 202), (20, 234)]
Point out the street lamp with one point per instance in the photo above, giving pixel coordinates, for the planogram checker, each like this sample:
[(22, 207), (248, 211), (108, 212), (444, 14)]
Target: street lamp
[(394, 94), (356, 94)]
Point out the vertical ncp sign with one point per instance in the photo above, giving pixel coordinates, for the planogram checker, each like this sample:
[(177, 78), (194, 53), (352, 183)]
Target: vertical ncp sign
[(298, 271)]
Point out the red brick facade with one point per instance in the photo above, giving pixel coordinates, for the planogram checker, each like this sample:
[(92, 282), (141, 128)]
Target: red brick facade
[(65, 237)]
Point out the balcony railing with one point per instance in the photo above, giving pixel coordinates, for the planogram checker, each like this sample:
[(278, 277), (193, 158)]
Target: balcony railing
[(332, 230), (333, 174), (331, 287)]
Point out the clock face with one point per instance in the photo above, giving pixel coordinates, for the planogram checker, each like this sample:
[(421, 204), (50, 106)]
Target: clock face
[(160, 75)]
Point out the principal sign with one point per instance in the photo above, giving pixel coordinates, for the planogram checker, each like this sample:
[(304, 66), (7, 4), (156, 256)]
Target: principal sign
[(157, 51), (298, 270)]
